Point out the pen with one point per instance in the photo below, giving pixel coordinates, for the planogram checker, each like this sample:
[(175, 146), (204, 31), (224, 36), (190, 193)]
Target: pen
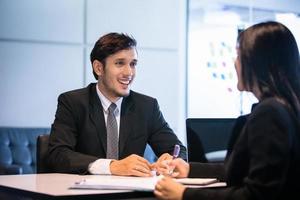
[(175, 155), (176, 151)]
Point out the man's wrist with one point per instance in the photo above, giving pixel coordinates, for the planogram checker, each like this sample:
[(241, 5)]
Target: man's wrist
[(112, 166)]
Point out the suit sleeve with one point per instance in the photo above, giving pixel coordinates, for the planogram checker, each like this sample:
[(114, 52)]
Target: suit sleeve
[(63, 138), (162, 137), (207, 170)]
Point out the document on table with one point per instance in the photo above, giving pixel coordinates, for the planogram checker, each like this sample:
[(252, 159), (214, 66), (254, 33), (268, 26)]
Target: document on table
[(116, 183), (105, 182)]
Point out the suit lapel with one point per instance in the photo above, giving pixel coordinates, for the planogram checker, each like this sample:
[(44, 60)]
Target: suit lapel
[(97, 116), (126, 123)]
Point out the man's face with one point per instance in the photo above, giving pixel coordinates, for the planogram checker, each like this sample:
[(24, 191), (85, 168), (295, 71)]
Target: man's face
[(116, 76)]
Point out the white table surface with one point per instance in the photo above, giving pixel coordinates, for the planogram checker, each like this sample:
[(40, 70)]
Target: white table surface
[(54, 184), (57, 186)]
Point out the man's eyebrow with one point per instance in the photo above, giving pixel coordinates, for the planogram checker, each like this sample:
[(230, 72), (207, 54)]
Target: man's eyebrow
[(122, 59)]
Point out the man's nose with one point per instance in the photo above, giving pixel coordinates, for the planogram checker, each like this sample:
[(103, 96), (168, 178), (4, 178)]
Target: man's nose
[(128, 70)]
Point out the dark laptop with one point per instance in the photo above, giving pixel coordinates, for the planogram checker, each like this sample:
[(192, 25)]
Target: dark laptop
[(208, 136)]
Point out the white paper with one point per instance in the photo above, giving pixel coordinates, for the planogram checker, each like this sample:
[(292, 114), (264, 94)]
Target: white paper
[(106, 182), (117, 183)]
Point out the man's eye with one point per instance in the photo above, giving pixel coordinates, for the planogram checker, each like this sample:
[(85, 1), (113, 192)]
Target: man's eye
[(119, 63), (133, 64)]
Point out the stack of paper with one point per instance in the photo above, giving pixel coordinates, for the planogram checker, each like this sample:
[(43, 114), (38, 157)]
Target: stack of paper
[(117, 183), (132, 183)]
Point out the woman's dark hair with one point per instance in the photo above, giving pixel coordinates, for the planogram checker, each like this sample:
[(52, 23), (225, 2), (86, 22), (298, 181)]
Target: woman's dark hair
[(269, 58), (110, 44)]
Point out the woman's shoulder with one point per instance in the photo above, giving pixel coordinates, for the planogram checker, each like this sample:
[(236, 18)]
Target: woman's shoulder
[(272, 109), (271, 104)]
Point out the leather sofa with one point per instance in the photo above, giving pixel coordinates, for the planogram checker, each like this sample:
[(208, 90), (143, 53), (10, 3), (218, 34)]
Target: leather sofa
[(18, 150)]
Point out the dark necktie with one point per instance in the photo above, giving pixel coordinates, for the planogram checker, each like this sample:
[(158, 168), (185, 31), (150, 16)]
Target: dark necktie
[(112, 134)]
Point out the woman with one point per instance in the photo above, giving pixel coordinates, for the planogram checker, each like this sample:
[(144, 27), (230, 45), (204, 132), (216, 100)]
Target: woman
[(265, 160)]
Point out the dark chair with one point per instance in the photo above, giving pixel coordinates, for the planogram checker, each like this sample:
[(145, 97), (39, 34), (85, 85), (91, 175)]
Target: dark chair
[(18, 149), (207, 138), (41, 153)]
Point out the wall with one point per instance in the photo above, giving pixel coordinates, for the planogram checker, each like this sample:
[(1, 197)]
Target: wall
[(45, 47)]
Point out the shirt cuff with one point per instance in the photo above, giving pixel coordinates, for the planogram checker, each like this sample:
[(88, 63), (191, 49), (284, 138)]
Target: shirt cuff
[(100, 166)]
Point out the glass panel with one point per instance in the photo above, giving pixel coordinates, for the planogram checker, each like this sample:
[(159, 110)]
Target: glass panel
[(211, 77)]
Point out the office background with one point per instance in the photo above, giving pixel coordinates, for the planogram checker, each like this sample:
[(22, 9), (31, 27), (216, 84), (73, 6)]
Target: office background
[(45, 47)]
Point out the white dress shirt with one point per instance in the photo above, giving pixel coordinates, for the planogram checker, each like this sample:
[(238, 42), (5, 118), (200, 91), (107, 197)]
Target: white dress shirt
[(101, 166)]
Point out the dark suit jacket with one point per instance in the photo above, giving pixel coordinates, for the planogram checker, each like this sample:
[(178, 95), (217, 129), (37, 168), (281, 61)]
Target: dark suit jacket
[(78, 134), (265, 160)]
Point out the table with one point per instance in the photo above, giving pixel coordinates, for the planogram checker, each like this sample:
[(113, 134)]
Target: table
[(56, 186)]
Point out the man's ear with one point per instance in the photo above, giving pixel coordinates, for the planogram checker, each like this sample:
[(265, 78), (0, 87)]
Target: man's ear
[(98, 67)]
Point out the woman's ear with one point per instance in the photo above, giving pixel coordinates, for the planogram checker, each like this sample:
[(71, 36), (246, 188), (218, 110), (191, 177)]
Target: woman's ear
[(98, 67)]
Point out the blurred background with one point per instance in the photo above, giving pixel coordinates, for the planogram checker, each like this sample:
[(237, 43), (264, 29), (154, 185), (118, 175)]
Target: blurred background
[(186, 53)]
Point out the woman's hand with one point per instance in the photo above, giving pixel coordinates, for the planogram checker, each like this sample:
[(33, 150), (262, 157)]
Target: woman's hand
[(161, 165), (167, 188), (176, 168)]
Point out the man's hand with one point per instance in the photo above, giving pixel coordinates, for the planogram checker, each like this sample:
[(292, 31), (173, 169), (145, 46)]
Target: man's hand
[(164, 157), (132, 165)]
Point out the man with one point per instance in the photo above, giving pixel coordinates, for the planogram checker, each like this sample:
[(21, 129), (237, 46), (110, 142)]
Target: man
[(82, 135)]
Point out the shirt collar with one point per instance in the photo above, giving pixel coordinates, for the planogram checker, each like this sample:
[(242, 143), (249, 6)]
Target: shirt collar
[(106, 103)]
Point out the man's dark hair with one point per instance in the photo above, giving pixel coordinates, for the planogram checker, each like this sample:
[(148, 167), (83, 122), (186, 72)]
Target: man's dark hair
[(110, 44)]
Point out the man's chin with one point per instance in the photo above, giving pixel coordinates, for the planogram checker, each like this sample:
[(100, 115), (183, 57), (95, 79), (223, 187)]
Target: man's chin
[(124, 93)]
